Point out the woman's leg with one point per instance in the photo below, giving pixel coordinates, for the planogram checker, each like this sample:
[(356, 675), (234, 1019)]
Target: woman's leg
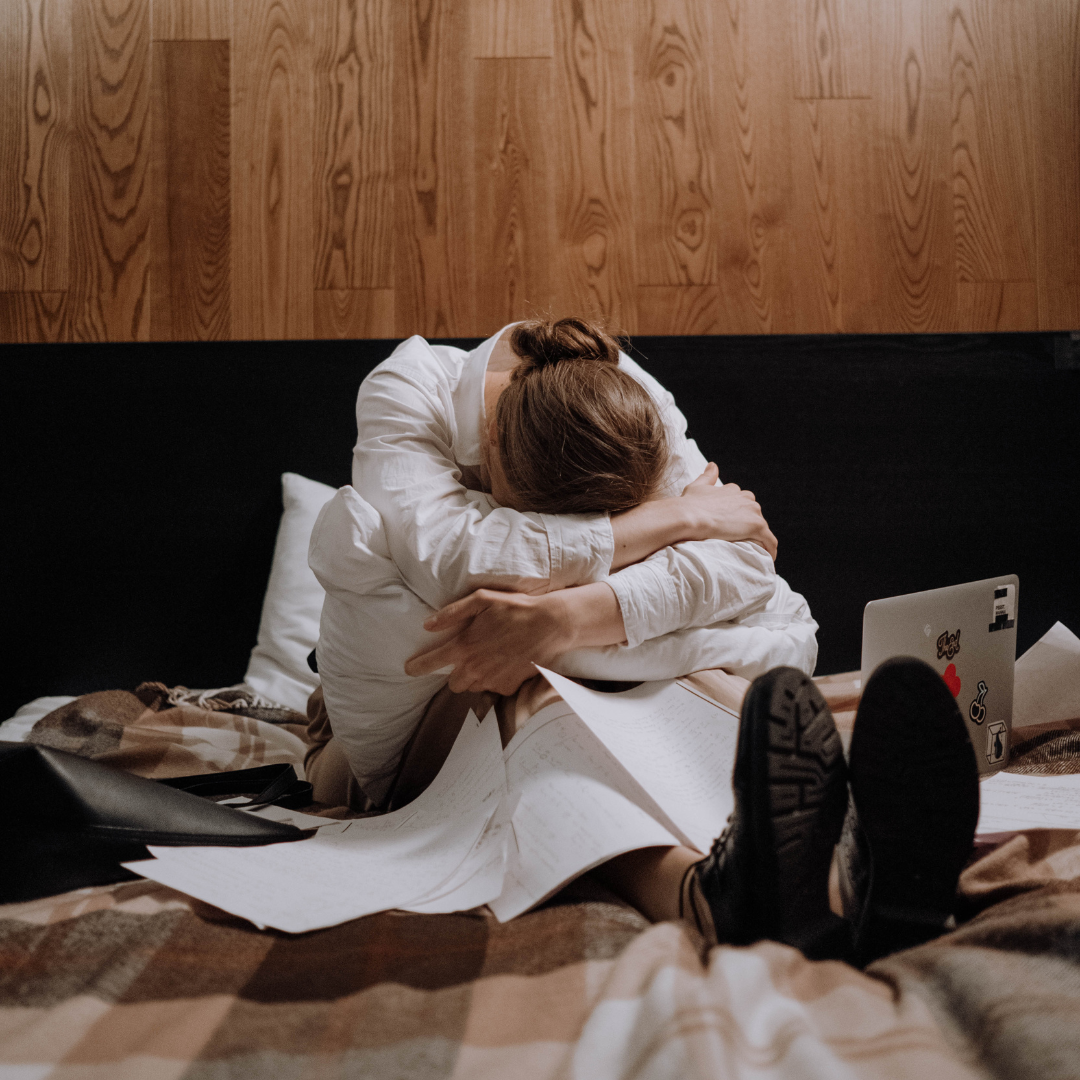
[(654, 880)]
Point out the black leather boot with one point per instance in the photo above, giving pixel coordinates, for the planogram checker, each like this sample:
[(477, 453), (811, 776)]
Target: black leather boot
[(767, 875), (914, 808)]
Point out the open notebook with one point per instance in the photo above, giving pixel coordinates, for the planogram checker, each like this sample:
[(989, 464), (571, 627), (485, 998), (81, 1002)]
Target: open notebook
[(587, 778)]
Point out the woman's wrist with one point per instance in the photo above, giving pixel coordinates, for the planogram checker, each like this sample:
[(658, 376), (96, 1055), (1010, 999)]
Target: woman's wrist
[(586, 615), (651, 527)]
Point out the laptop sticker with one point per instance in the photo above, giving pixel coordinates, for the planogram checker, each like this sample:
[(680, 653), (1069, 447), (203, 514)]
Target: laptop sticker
[(1004, 608), (977, 710), (952, 680), (948, 645), (997, 742)]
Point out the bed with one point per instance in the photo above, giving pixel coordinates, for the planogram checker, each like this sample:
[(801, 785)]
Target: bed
[(135, 980)]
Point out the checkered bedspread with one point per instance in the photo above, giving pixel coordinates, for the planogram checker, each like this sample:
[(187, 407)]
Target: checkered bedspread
[(134, 980)]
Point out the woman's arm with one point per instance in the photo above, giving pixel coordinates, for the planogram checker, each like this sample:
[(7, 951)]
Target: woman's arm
[(448, 541), (500, 636), (703, 512)]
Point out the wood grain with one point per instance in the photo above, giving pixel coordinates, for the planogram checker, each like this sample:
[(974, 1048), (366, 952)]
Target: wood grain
[(354, 313), (515, 222), (831, 45), (192, 20), (272, 173), (108, 296), (434, 279), (681, 309), (677, 219), (34, 144), (1055, 121), (997, 306), (354, 210), (32, 317), (913, 120), (754, 91), (512, 28), (190, 234), (816, 156), (991, 48), (595, 274)]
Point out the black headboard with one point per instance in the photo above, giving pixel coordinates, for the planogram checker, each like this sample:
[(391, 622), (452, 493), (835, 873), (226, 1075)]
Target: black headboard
[(143, 487)]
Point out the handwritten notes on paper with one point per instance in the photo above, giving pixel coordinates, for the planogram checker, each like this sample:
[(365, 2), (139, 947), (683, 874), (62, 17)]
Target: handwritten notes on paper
[(1010, 802), (354, 868), (677, 746)]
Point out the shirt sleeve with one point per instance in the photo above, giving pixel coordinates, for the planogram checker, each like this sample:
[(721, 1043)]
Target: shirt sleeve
[(446, 540), (693, 584), (783, 633)]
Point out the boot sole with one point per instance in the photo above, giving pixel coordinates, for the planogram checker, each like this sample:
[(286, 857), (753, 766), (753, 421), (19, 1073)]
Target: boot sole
[(799, 798), (915, 785)]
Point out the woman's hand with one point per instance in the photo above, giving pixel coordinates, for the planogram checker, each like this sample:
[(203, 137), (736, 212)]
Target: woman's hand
[(702, 512), (501, 636), (726, 513)]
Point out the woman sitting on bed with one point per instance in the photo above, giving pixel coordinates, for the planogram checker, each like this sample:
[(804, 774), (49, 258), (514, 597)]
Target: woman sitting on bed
[(534, 500)]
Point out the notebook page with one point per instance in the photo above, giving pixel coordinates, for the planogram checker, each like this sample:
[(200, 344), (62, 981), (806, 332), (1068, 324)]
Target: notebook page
[(679, 747), (357, 867), (573, 808)]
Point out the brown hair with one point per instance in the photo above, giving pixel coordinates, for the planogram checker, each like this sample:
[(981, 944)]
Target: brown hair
[(576, 434)]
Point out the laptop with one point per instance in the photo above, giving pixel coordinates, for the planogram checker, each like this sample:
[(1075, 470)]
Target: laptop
[(967, 633)]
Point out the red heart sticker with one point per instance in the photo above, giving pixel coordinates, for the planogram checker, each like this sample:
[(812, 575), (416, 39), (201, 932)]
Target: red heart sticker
[(952, 680)]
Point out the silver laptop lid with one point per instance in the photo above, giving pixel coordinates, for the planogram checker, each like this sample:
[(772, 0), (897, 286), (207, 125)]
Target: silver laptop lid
[(967, 633)]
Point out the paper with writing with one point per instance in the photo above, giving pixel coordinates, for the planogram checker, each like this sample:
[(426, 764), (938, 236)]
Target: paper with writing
[(1010, 802), (366, 865), (679, 747), (575, 808)]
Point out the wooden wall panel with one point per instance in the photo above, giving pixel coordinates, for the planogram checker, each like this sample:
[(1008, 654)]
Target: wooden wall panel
[(354, 239), (192, 20), (512, 28), (272, 174), (991, 46), (831, 47), (187, 169), (754, 89), (434, 291), (515, 223), (1055, 121), (190, 237), (677, 219), (354, 313), (34, 144), (110, 171), (997, 305), (32, 317), (913, 114), (595, 271)]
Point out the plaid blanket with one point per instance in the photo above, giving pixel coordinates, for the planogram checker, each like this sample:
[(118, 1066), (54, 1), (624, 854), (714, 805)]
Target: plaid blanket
[(135, 980)]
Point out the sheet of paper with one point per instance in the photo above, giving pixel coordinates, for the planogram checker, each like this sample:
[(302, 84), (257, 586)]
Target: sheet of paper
[(679, 747), (479, 879), (366, 865), (575, 808), (1009, 802), (291, 817), (1046, 685)]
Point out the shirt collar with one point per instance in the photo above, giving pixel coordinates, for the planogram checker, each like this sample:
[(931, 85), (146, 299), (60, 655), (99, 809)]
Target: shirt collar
[(468, 398)]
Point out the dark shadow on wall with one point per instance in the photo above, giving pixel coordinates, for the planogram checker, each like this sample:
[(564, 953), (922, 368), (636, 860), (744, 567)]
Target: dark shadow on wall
[(142, 482)]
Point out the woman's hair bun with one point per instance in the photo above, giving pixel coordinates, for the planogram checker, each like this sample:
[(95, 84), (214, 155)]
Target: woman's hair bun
[(540, 344)]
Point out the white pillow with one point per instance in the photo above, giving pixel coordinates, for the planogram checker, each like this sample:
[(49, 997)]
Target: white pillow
[(289, 626)]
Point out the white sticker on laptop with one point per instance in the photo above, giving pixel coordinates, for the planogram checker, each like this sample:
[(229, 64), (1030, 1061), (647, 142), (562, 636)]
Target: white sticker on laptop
[(1004, 613), (997, 742)]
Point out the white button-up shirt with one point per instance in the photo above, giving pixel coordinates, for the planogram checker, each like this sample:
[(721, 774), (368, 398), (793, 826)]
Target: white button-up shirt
[(412, 533)]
